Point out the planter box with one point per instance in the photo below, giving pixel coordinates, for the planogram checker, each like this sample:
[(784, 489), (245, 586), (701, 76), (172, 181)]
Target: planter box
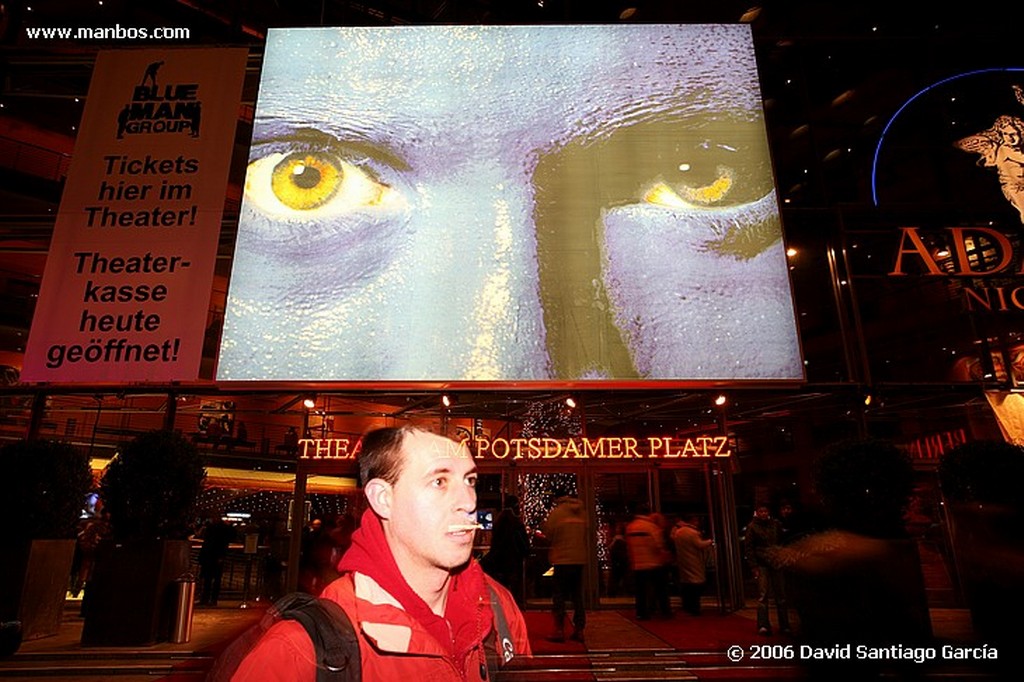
[(33, 585), (988, 543), (130, 600)]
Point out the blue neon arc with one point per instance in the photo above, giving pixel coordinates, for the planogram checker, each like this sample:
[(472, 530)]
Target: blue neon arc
[(885, 131)]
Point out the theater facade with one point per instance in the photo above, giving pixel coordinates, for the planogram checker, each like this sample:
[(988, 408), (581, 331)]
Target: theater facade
[(596, 276)]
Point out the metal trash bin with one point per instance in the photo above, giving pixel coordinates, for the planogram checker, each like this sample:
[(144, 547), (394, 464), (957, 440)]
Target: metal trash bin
[(184, 607)]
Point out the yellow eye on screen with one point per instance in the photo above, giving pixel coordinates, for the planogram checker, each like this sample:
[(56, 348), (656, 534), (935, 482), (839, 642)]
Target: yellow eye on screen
[(661, 194), (314, 183), (713, 192), (305, 181), (689, 197)]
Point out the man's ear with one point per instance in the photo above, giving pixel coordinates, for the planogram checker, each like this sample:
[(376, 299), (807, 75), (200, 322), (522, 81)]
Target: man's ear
[(378, 493)]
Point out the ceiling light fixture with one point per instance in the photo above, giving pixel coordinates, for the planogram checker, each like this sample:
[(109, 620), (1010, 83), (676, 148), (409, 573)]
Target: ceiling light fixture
[(750, 15)]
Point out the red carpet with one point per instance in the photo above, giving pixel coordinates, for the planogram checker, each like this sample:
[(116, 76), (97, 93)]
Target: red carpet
[(706, 637), (710, 631), (540, 626), (714, 633)]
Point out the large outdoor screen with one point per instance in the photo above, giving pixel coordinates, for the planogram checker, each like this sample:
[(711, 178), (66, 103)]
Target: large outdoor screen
[(510, 203)]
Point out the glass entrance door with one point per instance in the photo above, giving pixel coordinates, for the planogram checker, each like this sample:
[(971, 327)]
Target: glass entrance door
[(611, 499), (537, 492), (616, 498), (671, 493)]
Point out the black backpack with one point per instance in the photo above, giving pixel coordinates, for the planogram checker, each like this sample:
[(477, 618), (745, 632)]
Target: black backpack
[(335, 640), (328, 626)]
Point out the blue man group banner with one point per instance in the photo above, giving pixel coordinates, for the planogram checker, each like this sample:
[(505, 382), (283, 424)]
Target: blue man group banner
[(128, 277), (538, 204)]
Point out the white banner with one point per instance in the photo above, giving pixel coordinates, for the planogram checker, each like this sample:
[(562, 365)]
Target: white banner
[(127, 283)]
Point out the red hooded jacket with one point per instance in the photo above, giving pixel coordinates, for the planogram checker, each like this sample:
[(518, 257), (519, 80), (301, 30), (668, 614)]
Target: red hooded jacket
[(400, 638)]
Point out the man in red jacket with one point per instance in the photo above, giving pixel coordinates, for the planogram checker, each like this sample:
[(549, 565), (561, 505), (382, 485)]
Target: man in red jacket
[(420, 605)]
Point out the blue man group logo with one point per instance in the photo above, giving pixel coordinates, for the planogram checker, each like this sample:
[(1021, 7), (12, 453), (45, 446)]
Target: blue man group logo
[(160, 108)]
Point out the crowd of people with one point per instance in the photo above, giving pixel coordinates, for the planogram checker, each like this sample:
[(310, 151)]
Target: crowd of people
[(412, 547), (651, 557)]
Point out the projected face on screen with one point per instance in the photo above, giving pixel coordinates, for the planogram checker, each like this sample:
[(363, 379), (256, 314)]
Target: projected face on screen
[(509, 203)]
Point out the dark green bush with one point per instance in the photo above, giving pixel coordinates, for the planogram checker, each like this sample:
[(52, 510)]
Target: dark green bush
[(865, 486), (983, 471), (152, 486), (48, 484)]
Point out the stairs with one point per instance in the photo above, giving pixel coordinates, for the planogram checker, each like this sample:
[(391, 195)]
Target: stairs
[(616, 649), (120, 664), (938, 583), (623, 665)]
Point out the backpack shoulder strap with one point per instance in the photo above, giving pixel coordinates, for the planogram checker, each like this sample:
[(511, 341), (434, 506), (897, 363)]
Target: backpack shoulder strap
[(503, 644), (332, 633), (231, 657)]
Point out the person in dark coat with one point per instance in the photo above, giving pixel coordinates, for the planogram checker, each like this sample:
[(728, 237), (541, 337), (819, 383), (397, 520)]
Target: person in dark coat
[(510, 545), (217, 537), (763, 536)]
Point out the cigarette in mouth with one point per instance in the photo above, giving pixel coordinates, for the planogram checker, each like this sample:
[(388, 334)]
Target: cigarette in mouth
[(455, 528)]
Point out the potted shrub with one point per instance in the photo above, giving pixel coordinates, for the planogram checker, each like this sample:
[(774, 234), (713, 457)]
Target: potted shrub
[(980, 482), (860, 580), (150, 488), (50, 481)]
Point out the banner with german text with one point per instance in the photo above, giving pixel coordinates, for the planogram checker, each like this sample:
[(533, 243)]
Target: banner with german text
[(126, 288)]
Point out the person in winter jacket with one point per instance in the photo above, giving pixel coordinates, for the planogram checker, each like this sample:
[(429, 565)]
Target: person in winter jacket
[(418, 602), (691, 560), (566, 528), (648, 555)]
